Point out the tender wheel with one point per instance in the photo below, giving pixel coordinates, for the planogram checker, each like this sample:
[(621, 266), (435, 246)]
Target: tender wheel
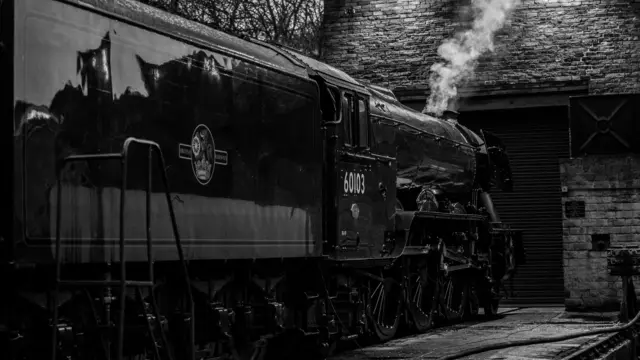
[(384, 307), (240, 341), (422, 291), (454, 291)]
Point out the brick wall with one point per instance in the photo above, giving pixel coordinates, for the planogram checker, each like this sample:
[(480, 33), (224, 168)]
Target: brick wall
[(393, 42), (610, 188)]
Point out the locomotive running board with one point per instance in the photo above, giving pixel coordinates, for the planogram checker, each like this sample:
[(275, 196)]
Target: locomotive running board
[(448, 216), (455, 268)]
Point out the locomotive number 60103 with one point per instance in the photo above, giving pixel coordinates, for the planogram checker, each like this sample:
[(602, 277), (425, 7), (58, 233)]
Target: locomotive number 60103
[(354, 183)]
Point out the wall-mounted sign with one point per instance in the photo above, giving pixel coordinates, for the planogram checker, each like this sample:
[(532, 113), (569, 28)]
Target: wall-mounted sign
[(574, 209)]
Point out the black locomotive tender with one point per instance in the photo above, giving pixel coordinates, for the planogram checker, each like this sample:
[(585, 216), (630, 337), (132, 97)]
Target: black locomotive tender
[(284, 205)]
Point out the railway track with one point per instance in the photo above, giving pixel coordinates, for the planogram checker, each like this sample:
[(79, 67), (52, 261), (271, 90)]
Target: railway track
[(513, 325), (610, 346)]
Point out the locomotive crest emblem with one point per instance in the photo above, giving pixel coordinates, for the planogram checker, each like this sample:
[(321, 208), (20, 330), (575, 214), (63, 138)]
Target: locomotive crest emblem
[(203, 154)]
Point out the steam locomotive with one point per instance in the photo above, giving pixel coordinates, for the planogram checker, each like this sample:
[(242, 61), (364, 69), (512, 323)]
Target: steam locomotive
[(174, 192)]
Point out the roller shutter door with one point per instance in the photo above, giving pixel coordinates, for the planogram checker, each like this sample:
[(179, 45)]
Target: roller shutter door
[(535, 139)]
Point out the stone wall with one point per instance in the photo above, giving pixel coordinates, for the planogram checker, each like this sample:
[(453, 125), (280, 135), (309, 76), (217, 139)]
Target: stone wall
[(610, 188), (393, 43)]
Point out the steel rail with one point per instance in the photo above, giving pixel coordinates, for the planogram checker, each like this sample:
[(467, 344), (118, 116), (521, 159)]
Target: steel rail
[(515, 343)]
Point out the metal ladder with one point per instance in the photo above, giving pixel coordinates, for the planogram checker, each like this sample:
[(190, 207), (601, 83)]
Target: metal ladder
[(123, 283)]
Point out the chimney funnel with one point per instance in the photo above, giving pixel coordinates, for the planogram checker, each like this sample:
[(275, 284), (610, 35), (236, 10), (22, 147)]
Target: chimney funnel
[(450, 115)]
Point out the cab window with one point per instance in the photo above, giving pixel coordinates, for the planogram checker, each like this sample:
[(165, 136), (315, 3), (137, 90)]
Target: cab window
[(355, 120), (335, 98), (331, 104), (347, 119), (363, 124)]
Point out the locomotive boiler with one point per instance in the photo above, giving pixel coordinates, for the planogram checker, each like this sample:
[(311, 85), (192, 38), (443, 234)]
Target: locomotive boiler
[(176, 192), (439, 156)]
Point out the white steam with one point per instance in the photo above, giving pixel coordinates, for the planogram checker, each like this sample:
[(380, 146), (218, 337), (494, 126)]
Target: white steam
[(462, 52)]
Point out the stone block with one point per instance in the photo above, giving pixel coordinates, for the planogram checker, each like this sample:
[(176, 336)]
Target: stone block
[(572, 304), (573, 254), (625, 205), (577, 238), (577, 246), (622, 237), (624, 214), (578, 263), (619, 222)]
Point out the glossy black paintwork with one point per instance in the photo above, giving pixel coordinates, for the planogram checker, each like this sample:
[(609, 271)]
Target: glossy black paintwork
[(87, 82), (430, 152), (6, 127), (86, 78), (361, 231), (185, 31)]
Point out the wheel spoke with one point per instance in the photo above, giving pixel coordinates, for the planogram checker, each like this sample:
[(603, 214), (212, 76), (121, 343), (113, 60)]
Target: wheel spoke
[(385, 303), (417, 298), (455, 298), (421, 293), (378, 299)]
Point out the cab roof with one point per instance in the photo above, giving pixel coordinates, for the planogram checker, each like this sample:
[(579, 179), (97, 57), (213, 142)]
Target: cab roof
[(328, 72)]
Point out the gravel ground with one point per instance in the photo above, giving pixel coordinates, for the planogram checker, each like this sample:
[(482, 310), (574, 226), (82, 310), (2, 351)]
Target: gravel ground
[(515, 324)]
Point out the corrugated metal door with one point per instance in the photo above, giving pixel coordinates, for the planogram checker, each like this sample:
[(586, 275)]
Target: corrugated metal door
[(535, 139)]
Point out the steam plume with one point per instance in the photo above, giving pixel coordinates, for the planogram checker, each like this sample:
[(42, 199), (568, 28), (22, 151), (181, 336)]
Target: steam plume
[(462, 52)]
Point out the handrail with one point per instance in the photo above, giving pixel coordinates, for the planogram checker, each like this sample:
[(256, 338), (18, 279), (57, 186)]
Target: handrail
[(153, 146), (124, 157)]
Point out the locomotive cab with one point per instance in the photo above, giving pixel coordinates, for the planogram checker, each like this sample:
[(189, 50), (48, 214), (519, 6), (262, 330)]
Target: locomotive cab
[(366, 182), (359, 175)]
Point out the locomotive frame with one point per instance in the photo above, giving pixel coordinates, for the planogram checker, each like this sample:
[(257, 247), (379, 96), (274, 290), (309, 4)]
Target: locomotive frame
[(189, 194)]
